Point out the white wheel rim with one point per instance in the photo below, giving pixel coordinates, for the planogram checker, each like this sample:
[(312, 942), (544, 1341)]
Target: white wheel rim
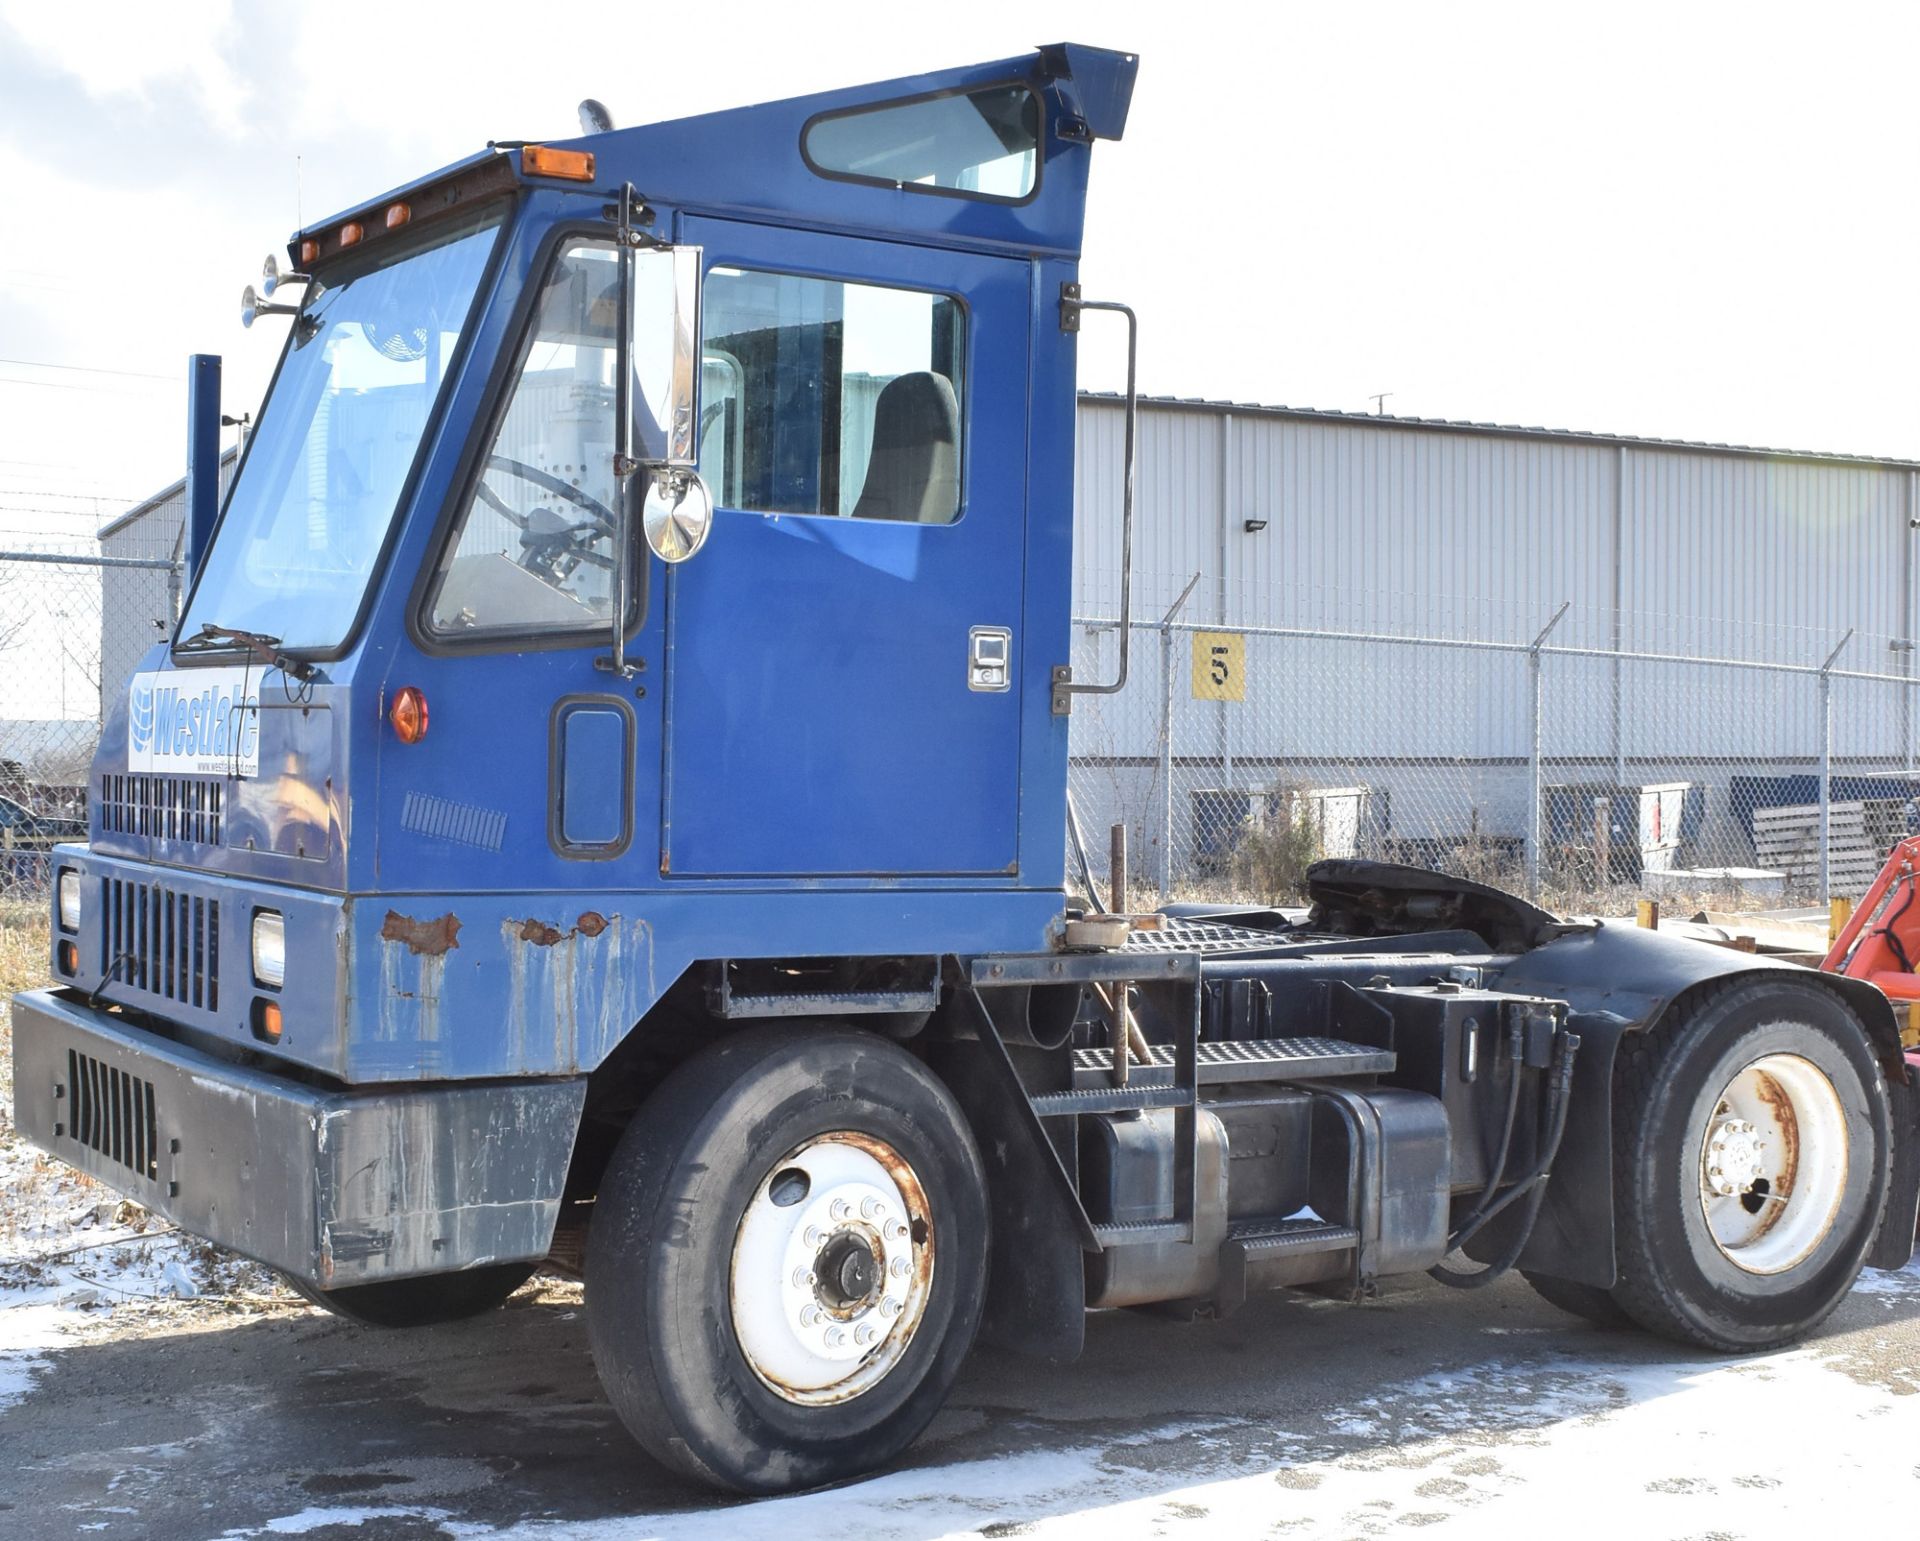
[(1773, 1163), (832, 1264)]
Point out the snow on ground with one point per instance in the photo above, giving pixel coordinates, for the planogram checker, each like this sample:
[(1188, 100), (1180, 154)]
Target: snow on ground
[(76, 1260)]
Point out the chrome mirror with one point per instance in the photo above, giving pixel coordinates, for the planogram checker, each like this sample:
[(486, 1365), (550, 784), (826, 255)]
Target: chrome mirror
[(677, 514), (665, 317)]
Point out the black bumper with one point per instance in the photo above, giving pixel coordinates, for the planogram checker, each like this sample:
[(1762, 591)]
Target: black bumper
[(336, 1187)]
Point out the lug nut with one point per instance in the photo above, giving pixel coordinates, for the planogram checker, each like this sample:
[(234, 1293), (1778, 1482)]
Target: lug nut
[(898, 1268), (814, 1236), (836, 1336), (864, 1334), (897, 1230), (839, 1209), (809, 1315), (801, 1279), (891, 1306), (871, 1209)]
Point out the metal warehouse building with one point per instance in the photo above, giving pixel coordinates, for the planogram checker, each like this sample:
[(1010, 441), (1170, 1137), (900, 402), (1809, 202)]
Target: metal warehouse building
[(1387, 579)]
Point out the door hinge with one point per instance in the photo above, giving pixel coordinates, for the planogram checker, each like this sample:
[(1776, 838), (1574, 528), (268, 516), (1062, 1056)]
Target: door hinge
[(1062, 696)]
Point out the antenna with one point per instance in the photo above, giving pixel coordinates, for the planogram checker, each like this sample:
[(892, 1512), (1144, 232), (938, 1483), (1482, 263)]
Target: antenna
[(1379, 400)]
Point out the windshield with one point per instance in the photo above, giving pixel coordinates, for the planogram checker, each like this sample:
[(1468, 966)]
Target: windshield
[(309, 514)]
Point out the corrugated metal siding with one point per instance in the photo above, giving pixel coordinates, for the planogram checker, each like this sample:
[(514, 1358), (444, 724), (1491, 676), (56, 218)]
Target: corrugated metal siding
[(1386, 528)]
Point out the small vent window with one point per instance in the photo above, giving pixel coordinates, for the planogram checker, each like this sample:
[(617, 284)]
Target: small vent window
[(982, 144)]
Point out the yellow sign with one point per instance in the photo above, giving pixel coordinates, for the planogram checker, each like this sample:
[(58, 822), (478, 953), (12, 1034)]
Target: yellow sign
[(1219, 666)]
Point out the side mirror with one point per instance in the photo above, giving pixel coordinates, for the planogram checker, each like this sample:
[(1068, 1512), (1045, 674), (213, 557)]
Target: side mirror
[(677, 510), (666, 355)]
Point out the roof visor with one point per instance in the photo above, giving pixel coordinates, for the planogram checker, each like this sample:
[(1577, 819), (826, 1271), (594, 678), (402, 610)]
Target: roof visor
[(1095, 85)]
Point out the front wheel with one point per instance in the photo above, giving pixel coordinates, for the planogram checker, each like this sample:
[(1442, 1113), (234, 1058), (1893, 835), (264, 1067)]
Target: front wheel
[(788, 1259), (1752, 1141)]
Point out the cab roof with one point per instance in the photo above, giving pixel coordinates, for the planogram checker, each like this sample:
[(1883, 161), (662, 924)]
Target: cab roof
[(748, 161)]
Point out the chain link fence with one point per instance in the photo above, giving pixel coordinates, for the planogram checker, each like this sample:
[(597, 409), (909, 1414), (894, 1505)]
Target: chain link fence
[(73, 624), (1710, 767)]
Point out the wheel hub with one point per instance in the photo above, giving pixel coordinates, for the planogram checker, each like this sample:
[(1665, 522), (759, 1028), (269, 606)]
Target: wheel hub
[(1734, 1157), (832, 1265)]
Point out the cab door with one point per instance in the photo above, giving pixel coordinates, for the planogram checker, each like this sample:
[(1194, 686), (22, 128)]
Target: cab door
[(843, 658)]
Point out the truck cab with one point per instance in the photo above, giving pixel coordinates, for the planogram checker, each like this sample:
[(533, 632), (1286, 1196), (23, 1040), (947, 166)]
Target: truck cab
[(604, 803)]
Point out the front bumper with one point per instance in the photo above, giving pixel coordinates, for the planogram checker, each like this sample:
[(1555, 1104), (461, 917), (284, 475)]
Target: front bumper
[(335, 1187)]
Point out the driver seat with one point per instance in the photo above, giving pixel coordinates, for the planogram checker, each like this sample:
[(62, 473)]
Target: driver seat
[(913, 472)]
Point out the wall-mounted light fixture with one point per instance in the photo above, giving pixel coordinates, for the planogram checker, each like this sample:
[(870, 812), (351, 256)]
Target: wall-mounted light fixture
[(1253, 526)]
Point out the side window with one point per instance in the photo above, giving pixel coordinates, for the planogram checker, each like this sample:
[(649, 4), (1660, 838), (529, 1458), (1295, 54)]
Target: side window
[(533, 550), (823, 397)]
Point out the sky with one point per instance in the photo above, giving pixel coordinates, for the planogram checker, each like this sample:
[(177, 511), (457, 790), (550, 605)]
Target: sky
[(1692, 221)]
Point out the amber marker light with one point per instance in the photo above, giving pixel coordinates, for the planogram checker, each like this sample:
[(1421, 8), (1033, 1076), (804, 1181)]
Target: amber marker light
[(69, 959), (351, 232), (309, 252), (539, 160), (266, 1021), (397, 215), (409, 714)]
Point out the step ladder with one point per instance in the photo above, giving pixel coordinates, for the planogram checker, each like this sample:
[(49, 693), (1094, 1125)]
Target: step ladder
[(1170, 1076)]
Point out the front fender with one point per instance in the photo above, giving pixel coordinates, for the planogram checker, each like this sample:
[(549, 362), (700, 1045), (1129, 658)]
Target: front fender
[(1618, 978)]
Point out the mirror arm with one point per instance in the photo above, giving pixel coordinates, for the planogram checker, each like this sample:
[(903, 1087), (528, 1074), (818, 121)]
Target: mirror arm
[(624, 465)]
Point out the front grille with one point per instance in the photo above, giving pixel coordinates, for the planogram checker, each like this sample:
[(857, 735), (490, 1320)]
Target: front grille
[(111, 1112), (162, 807), (163, 942)]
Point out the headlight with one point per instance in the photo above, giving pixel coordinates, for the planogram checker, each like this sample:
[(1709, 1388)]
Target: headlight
[(269, 948), (69, 888)]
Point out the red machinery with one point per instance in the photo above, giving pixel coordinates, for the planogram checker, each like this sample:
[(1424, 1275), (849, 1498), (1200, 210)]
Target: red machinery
[(1881, 942)]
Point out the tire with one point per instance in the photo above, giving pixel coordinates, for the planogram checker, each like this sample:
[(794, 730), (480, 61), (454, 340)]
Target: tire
[(421, 1302), (1584, 1300), (727, 1245), (1752, 1135)]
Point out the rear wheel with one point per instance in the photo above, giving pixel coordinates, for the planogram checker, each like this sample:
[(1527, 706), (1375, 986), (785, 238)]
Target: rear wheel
[(422, 1302), (787, 1259), (1752, 1135)]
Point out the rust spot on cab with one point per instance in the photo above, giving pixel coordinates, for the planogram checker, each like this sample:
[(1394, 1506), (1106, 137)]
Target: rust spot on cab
[(591, 924), (423, 938), (540, 933)]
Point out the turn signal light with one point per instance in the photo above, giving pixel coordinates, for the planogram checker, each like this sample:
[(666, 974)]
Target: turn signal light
[(397, 215), (351, 232), (538, 160), (309, 253), (69, 959), (409, 714), (266, 1021)]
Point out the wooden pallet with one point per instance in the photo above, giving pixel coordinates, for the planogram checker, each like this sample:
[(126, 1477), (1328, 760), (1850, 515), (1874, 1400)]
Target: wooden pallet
[(1859, 836)]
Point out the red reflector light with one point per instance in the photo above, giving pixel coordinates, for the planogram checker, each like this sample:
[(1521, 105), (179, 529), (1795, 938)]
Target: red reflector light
[(309, 252), (351, 232), (409, 714), (397, 215), (69, 958), (539, 160)]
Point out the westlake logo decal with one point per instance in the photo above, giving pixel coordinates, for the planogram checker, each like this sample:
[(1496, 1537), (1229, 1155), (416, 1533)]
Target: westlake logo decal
[(194, 722)]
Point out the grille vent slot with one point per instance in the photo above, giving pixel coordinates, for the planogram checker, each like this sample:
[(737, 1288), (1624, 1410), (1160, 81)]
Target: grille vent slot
[(162, 807), (163, 942), (111, 1112)]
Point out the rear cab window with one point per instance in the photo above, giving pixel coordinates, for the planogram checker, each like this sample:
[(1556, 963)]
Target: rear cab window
[(983, 143)]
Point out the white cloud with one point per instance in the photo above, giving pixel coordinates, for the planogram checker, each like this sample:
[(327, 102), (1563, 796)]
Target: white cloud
[(115, 48)]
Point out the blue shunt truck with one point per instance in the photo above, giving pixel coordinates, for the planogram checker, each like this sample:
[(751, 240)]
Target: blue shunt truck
[(604, 806)]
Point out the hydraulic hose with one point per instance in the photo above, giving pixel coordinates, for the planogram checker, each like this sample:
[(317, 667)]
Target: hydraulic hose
[(1533, 1187)]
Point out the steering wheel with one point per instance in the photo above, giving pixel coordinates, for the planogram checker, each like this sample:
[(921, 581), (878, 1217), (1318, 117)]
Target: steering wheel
[(547, 481)]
